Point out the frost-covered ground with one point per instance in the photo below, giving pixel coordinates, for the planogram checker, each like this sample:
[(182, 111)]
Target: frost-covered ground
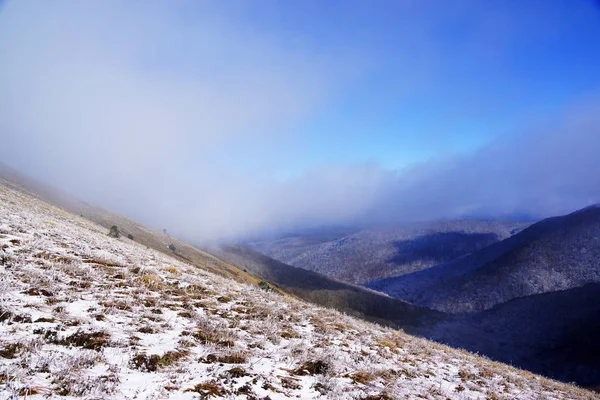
[(86, 315)]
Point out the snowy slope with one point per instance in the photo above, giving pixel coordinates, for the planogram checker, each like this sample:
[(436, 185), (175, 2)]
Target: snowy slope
[(86, 315), (142, 234)]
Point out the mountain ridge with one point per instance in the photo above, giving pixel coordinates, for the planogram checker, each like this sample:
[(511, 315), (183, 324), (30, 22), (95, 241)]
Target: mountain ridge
[(557, 253), (364, 255)]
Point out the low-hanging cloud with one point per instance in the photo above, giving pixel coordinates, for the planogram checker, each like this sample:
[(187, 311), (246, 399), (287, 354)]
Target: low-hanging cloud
[(139, 117), (543, 171)]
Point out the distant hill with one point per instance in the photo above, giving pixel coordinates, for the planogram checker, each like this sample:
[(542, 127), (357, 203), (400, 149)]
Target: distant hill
[(361, 256), (554, 334), (554, 254)]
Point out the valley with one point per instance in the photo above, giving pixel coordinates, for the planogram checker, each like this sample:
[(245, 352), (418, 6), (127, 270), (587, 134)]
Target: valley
[(362, 255)]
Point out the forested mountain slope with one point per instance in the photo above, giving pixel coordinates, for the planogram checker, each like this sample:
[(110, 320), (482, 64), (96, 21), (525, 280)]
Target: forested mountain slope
[(361, 256), (554, 254), (555, 334)]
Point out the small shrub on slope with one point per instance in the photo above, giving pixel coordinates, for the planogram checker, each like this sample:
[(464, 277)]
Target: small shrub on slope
[(114, 231)]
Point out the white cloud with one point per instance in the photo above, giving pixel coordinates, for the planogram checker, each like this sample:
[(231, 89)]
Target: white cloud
[(129, 107), (109, 99)]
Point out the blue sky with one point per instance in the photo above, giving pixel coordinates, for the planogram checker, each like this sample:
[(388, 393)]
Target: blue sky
[(261, 115), (432, 78)]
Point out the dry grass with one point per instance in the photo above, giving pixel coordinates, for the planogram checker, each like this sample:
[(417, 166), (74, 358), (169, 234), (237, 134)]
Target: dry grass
[(237, 357), (209, 389), (11, 350), (362, 377), (151, 281), (318, 367), (172, 270), (153, 362)]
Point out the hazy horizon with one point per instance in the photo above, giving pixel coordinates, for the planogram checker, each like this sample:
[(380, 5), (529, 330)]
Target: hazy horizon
[(218, 120)]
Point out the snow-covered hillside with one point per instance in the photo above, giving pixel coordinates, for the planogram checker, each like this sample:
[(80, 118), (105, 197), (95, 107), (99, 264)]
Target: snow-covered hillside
[(86, 315), (366, 255), (558, 253)]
